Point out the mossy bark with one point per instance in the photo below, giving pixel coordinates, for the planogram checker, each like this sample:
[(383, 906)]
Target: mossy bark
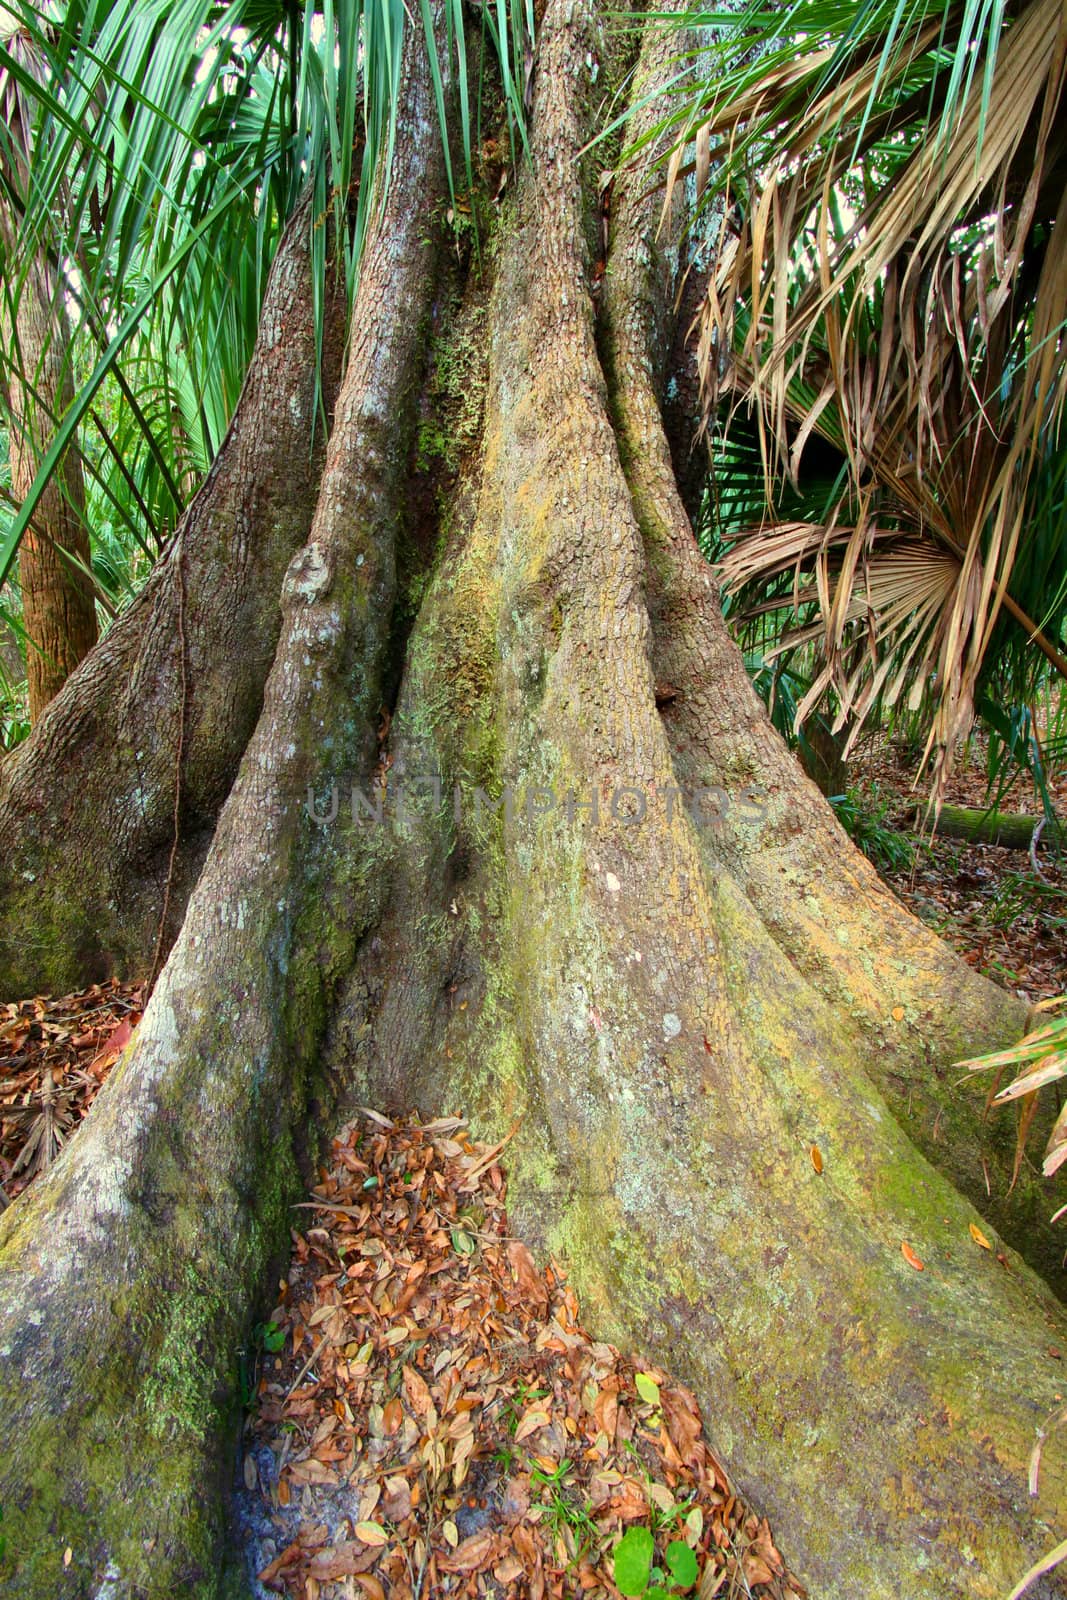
[(680, 1000), (126, 1276), (1006, 828)]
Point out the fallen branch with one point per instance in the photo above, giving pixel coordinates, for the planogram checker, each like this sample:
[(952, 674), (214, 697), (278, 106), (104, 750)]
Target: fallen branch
[(1009, 829)]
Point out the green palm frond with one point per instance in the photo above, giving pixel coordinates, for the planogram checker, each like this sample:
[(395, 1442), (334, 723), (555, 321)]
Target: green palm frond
[(163, 145)]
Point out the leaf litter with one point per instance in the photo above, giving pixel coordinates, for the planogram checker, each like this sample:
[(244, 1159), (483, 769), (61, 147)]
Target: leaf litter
[(429, 1417), (54, 1057)]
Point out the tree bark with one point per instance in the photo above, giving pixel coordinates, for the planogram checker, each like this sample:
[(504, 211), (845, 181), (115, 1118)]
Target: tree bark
[(681, 1001), (157, 718), (58, 608), (156, 1204)]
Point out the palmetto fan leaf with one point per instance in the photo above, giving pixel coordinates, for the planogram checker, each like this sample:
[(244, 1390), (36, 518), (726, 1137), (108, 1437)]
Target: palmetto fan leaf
[(891, 273)]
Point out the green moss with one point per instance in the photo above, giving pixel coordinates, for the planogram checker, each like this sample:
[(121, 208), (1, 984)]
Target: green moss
[(178, 1395), (455, 392), (48, 940)]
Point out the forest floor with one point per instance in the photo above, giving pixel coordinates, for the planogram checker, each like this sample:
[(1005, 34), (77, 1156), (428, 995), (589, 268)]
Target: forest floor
[(428, 1416), (425, 1413), (987, 901)]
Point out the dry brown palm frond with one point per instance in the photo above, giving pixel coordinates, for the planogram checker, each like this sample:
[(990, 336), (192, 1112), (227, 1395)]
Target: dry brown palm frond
[(897, 283)]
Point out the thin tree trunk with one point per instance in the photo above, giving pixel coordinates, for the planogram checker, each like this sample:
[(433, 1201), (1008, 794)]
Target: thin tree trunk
[(679, 1008), (58, 609)]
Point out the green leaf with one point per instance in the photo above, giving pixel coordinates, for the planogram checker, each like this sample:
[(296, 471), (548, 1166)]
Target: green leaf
[(657, 1592), (273, 1337), (633, 1561), (683, 1563), (647, 1388), (462, 1242)]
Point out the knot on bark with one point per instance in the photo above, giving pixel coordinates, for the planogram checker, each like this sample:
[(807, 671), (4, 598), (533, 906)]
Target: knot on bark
[(310, 575)]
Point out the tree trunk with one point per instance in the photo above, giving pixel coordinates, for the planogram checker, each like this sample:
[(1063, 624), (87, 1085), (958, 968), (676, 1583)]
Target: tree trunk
[(58, 609), (681, 1000)]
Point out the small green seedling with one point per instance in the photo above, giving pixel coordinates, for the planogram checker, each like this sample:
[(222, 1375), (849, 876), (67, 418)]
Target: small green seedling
[(562, 1511), (635, 1573), (271, 1337)]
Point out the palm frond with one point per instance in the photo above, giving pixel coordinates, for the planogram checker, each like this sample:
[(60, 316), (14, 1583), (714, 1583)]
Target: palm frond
[(160, 148), (890, 239)]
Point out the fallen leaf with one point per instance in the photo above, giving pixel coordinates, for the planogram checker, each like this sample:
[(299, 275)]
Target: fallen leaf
[(816, 1157), (756, 1569), (525, 1273), (417, 1391), (370, 1585), (371, 1533), (910, 1257), (647, 1388), (532, 1420), (979, 1237), (344, 1561), (472, 1554)]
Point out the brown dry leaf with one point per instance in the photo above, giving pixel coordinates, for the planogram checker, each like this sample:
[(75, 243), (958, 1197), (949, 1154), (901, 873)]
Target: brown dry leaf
[(472, 1554), (114, 1045), (525, 1273), (629, 1501), (606, 1408), (526, 1546), (370, 1585), (396, 1500), (816, 1157), (461, 1460), (683, 1423), (342, 1562), (54, 1057), (979, 1237), (417, 1391), (763, 1546), (533, 1419), (910, 1257), (287, 1558), (756, 1569)]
